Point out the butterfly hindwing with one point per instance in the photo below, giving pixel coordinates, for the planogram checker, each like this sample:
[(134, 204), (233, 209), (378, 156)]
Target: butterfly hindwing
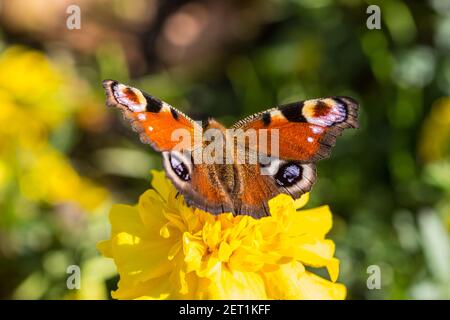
[(202, 185), (260, 188)]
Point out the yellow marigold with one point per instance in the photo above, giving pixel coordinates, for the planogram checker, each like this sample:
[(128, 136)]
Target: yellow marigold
[(164, 249)]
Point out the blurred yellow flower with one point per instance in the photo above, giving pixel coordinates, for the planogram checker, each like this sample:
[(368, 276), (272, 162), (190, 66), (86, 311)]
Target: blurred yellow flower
[(61, 182), (35, 85), (435, 137), (164, 249), (36, 98)]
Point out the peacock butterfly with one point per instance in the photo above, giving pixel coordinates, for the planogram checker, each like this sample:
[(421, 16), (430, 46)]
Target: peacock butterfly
[(238, 169)]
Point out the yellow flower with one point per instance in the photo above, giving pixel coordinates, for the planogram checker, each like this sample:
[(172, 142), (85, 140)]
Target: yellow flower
[(38, 87), (58, 182), (435, 137), (37, 98), (164, 249)]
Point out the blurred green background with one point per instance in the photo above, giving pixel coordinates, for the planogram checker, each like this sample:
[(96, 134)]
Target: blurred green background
[(65, 158)]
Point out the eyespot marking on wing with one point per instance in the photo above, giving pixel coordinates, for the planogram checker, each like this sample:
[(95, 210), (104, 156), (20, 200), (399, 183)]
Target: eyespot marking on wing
[(130, 97), (324, 112), (288, 174), (133, 99)]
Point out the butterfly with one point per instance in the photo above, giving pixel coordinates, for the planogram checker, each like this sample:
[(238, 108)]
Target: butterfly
[(241, 184)]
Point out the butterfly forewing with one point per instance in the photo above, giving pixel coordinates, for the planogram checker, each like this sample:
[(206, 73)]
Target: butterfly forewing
[(308, 129), (156, 121)]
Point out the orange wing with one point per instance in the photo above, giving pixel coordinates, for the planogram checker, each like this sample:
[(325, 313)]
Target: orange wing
[(206, 190), (307, 130), (257, 189), (155, 121)]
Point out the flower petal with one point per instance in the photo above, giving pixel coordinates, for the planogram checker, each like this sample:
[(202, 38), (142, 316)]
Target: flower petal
[(302, 201), (316, 222), (161, 184), (234, 285), (281, 206), (157, 288), (139, 260), (333, 269), (151, 212), (125, 218), (315, 254), (194, 250), (291, 281), (315, 287), (105, 249)]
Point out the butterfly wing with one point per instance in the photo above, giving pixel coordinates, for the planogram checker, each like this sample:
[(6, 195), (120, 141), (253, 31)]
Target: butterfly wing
[(306, 132), (158, 124), (203, 187), (308, 129), (258, 187)]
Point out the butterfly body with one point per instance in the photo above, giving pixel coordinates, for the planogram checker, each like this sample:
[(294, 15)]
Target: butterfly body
[(240, 168)]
